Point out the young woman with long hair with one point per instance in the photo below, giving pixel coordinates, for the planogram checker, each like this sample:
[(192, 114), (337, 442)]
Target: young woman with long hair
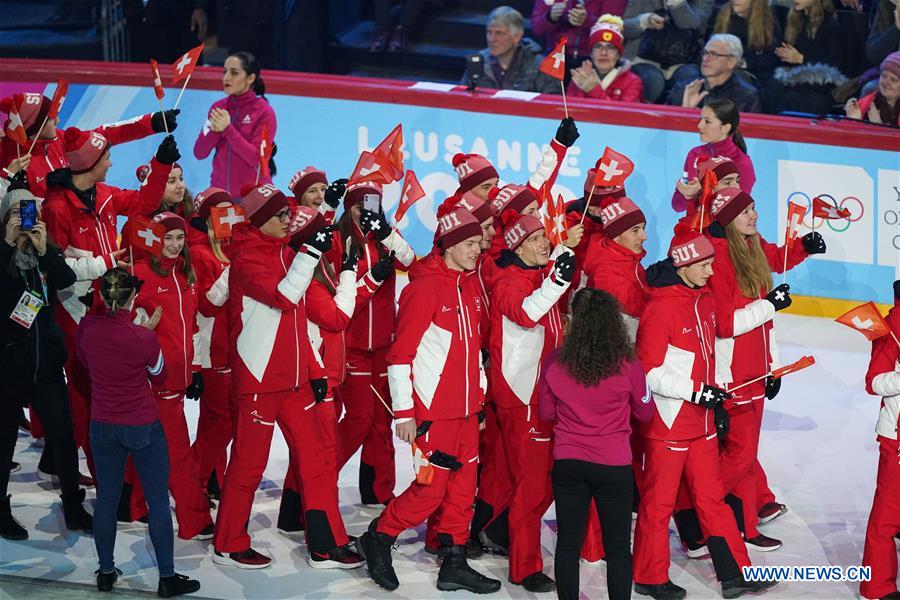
[(754, 23), (812, 35), (589, 389)]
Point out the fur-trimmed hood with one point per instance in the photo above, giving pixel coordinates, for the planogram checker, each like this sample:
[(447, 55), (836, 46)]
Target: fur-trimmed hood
[(815, 74)]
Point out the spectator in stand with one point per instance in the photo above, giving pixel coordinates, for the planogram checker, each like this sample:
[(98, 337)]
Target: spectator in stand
[(606, 76), (648, 26), (510, 62), (393, 37), (882, 105), (754, 23), (884, 33), (721, 57), (164, 29), (572, 19)]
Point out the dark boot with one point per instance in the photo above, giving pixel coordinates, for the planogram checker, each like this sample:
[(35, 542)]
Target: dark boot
[(456, 574), (660, 591), (375, 547), (9, 527), (176, 585), (740, 586), (105, 581), (77, 519)]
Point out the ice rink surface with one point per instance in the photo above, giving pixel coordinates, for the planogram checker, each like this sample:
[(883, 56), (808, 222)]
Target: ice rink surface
[(818, 448)]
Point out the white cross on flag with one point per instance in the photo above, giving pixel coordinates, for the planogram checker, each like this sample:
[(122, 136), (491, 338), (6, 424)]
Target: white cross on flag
[(224, 218), (794, 219), (146, 235), (824, 210), (422, 466), (15, 130), (157, 80), (59, 96), (612, 169), (555, 63), (867, 320), (184, 66), (412, 193)]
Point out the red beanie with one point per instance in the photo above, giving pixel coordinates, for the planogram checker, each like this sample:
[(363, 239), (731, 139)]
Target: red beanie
[(619, 215), (511, 196), (170, 221), (83, 149), (728, 204), (142, 171), (304, 178), (205, 200), (689, 247), (304, 223), (33, 108), (262, 202), (520, 228), (472, 170), (456, 226), (475, 205), (357, 192), (609, 33), (722, 166)]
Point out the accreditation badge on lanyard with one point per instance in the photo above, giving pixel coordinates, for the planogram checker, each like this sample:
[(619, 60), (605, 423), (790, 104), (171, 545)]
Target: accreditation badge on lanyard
[(26, 310)]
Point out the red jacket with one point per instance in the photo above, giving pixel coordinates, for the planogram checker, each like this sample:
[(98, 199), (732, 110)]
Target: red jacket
[(211, 347), (579, 38), (526, 324), (883, 377), (617, 270), (81, 234), (49, 155), (676, 345), (269, 346), (175, 331), (434, 365), (698, 154), (744, 344), (625, 87)]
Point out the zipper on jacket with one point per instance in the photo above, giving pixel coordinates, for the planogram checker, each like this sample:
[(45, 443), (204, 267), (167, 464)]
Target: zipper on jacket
[(187, 375), (372, 298), (465, 338), (296, 336), (703, 349)]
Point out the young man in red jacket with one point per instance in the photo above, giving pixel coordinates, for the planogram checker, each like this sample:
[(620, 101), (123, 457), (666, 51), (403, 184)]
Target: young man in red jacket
[(437, 390), (276, 379), (676, 344), (883, 379)]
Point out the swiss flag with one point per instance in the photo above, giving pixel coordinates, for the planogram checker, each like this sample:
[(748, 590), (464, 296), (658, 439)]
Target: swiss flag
[(555, 220), (146, 235), (613, 169), (157, 80), (412, 193), (368, 168), (59, 96), (422, 466), (805, 361), (15, 130), (794, 219), (391, 149), (824, 210), (555, 63), (265, 151), (224, 218), (867, 320), (184, 66)]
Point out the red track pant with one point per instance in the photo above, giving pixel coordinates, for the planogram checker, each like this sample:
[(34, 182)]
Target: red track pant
[(255, 418), (191, 506), (884, 523), (451, 491), (665, 462), (739, 465), (367, 423), (215, 425)]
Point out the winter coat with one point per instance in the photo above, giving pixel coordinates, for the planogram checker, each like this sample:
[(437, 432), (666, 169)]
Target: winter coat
[(826, 48), (624, 86), (523, 74), (744, 95), (211, 340), (883, 378), (699, 154), (684, 15), (618, 270), (579, 38), (676, 345), (434, 365), (760, 63), (237, 147)]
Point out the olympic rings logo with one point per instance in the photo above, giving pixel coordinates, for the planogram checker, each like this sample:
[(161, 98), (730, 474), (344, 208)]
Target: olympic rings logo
[(851, 203)]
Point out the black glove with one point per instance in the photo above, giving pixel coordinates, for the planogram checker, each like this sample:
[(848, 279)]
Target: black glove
[(19, 181), (773, 386), (319, 389), (350, 260), (813, 243), (709, 395), (194, 390), (445, 460), (156, 121), (321, 240), (384, 268), (168, 153), (334, 192), (564, 267), (780, 297), (567, 132), (374, 222), (722, 421)]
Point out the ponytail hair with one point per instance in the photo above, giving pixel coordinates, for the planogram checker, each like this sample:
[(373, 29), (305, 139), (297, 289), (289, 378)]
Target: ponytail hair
[(728, 114), (251, 67)]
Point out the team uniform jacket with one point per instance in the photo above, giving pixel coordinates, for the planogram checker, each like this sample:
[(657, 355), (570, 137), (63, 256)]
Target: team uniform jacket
[(883, 378), (526, 325), (88, 238), (50, 155), (745, 347), (269, 346), (434, 366), (211, 340), (617, 270), (175, 331), (676, 345)]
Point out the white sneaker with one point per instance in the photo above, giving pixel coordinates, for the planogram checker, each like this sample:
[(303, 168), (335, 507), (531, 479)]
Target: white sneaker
[(697, 553)]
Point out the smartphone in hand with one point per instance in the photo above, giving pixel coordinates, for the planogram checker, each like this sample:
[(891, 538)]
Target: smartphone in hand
[(27, 214)]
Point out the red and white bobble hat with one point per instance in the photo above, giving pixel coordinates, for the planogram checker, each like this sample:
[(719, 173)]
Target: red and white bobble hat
[(356, 193), (84, 149), (170, 221), (304, 178), (511, 196), (472, 170), (475, 205), (728, 203), (608, 28), (305, 222), (619, 215), (722, 166), (689, 247), (456, 226), (262, 202), (33, 108), (205, 200), (519, 230)]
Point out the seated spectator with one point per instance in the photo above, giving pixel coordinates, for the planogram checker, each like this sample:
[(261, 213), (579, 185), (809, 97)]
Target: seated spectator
[(511, 63), (572, 19), (721, 57), (606, 76), (393, 37), (752, 22), (884, 33), (662, 39), (882, 105)]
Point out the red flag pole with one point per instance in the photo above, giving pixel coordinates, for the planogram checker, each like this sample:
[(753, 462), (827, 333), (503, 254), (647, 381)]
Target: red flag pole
[(565, 104), (258, 168), (181, 93), (587, 204), (746, 383)]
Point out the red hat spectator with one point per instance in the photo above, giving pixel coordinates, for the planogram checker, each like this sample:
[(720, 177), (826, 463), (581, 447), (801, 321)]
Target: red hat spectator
[(305, 222), (689, 247), (511, 196), (170, 221), (205, 200), (262, 202), (472, 170), (619, 215), (304, 178), (33, 108), (728, 204), (356, 193), (456, 226), (83, 149), (608, 29), (519, 230)]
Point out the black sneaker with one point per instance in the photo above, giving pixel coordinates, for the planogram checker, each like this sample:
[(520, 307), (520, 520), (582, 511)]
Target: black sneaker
[(342, 557), (770, 512), (536, 583), (661, 591), (739, 586), (456, 574), (207, 534), (762, 543), (246, 559), (176, 585), (105, 581), (375, 548)]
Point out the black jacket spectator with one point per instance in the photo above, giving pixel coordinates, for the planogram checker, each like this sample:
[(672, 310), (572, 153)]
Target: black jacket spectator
[(826, 47), (884, 34), (760, 62), (744, 95)]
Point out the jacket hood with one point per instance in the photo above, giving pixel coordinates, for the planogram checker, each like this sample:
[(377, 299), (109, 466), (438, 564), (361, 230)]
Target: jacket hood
[(248, 237), (661, 276)]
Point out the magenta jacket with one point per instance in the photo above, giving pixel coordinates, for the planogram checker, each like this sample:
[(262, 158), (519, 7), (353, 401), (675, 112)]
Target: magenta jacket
[(593, 424), (698, 154), (578, 37), (237, 148)]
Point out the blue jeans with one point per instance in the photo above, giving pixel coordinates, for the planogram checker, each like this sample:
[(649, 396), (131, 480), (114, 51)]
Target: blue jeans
[(146, 444)]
